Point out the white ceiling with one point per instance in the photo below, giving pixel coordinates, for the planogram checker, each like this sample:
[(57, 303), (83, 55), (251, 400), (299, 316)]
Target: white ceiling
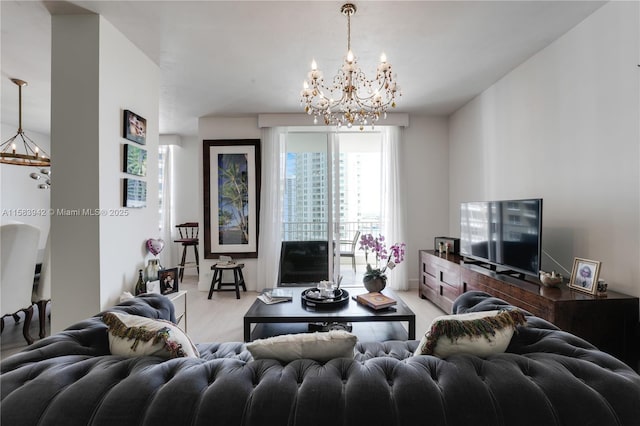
[(230, 58)]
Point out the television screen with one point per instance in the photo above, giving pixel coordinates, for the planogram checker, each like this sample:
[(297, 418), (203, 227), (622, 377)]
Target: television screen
[(303, 263), (503, 233)]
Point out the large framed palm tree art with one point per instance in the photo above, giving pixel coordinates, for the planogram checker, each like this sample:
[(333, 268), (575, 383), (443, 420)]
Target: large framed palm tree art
[(231, 197)]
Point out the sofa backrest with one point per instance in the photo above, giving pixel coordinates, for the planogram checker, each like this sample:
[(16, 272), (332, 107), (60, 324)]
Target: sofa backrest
[(88, 338), (552, 378)]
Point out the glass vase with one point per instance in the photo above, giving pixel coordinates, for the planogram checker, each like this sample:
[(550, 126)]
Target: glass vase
[(152, 270)]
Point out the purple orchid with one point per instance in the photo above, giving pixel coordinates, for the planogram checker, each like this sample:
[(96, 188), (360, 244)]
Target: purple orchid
[(376, 245)]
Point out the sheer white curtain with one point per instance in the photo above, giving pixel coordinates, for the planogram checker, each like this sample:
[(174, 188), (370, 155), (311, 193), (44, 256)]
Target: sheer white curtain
[(167, 216), (271, 200), (393, 216)]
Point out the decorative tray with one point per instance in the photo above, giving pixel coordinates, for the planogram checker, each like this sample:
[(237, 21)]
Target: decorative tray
[(311, 298)]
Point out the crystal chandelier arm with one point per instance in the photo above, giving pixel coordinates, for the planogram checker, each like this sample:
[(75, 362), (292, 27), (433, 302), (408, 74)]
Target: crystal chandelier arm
[(385, 88), (372, 94)]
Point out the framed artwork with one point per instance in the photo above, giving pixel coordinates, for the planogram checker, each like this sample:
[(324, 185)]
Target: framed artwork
[(134, 193), (231, 197), (135, 160), (168, 280), (134, 127), (584, 275)]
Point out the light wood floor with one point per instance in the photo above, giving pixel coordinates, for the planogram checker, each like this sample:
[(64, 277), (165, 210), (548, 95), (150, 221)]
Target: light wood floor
[(215, 320)]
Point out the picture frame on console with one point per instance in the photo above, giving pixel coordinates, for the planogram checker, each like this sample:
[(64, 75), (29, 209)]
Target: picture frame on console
[(168, 280), (584, 275)]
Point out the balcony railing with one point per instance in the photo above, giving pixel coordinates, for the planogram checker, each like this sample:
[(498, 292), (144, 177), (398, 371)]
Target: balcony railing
[(309, 231)]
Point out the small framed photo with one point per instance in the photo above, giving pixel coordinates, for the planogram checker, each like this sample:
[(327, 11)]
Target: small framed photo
[(134, 193), (584, 276), (135, 160), (168, 280), (134, 127)]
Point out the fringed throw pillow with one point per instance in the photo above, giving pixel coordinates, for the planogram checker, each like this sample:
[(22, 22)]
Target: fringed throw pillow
[(476, 333), (133, 335)]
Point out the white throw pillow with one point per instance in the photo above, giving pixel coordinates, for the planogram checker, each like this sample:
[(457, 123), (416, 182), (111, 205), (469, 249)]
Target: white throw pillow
[(133, 335), (321, 347), (475, 333), (126, 296)]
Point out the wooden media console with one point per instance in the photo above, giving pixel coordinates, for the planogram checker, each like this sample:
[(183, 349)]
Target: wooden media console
[(610, 323)]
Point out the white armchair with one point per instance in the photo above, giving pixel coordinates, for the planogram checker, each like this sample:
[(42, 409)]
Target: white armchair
[(18, 253)]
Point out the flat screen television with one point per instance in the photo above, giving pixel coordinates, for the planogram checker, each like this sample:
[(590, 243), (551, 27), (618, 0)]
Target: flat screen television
[(303, 263), (505, 234)]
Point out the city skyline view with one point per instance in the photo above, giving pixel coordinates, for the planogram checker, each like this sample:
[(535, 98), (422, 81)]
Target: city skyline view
[(306, 194)]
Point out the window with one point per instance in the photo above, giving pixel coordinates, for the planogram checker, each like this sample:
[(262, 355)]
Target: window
[(162, 155)]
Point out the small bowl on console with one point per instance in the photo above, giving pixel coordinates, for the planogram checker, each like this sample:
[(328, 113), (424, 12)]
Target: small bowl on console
[(550, 279)]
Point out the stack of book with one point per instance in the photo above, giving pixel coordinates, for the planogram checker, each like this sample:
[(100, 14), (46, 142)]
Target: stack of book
[(375, 300), (225, 261), (276, 295)]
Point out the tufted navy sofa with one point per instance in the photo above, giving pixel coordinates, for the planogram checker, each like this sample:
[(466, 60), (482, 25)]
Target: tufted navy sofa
[(547, 377)]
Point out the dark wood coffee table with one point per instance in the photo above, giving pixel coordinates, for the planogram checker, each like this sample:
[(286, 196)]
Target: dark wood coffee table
[(293, 317)]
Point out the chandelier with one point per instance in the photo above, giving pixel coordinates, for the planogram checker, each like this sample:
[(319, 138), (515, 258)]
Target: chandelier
[(26, 152), (351, 98)]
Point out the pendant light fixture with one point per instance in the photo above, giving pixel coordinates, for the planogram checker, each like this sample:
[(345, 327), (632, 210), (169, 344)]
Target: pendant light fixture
[(20, 150)]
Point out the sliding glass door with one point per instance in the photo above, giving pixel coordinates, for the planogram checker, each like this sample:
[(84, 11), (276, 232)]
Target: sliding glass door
[(332, 193)]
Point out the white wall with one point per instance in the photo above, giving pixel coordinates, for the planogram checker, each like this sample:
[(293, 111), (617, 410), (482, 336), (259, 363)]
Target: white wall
[(224, 128), (564, 126), (96, 74), (426, 164), (20, 198), (187, 195), (129, 80), (187, 192)]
